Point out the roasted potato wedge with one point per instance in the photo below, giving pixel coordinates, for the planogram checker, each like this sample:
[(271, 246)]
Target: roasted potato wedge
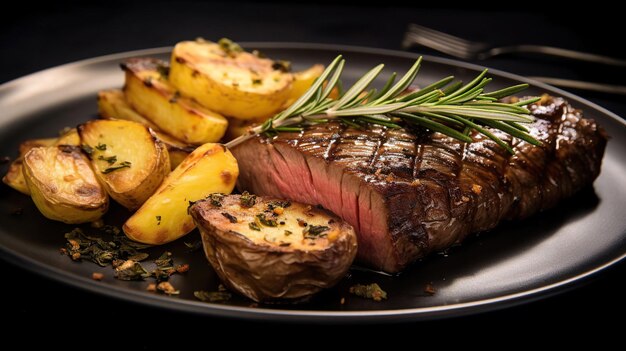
[(112, 105), (15, 177), (269, 249), (228, 80), (70, 138), (302, 80), (239, 127), (164, 216), (63, 186), (127, 159), (149, 94)]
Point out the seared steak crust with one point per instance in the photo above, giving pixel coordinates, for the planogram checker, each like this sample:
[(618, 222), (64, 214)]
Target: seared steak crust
[(410, 192)]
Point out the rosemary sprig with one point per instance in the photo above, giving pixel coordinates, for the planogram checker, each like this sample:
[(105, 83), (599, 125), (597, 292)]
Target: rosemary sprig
[(447, 107)]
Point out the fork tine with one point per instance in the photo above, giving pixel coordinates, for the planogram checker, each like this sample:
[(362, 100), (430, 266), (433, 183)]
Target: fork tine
[(412, 38), (451, 39)]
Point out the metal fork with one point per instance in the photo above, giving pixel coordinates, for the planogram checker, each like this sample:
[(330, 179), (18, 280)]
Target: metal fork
[(470, 50)]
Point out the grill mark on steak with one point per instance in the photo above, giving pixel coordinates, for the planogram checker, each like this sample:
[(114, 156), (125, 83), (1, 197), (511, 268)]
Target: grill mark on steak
[(408, 192)]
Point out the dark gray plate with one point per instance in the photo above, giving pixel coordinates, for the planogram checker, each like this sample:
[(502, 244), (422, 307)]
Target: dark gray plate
[(518, 262)]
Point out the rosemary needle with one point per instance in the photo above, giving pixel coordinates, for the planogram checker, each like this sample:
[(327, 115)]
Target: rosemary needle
[(447, 107)]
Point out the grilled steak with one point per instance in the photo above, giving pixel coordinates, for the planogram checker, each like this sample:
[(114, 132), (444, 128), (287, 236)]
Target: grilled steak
[(411, 192)]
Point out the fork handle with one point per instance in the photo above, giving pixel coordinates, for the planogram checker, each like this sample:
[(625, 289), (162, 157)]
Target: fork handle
[(582, 85), (555, 52)]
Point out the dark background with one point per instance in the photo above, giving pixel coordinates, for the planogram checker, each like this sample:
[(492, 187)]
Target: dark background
[(38, 37)]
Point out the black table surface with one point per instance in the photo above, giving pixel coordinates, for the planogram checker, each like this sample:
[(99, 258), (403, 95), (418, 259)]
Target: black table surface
[(41, 37)]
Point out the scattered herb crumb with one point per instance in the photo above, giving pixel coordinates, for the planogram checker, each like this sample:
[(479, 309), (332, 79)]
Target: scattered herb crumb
[(212, 296), (97, 276), (158, 218), (87, 149), (216, 199), (131, 270), (167, 288), (288, 232), (315, 231), (430, 289), (254, 226), (183, 268), (371, 291), (247, 200), (175, 97), (268, 222), (256, 81), (194, 246), (231, 218), (110, 160), (101, 147), (125, 164), (151, 287)]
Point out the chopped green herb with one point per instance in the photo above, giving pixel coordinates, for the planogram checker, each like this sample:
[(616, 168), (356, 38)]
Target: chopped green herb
[(164, 70), (254, 226), (283, 66), (195, 246), (101, 147), (247, 200), (87, 149), (131, 270), (165, 260), (371, 291), (268, 222), (288, 232), (110, 160), (256, 81), (216, 199), (230, 217), (230, 47), (212, 296), (124, 164), (274, 204), (158, 218), (315, 231)]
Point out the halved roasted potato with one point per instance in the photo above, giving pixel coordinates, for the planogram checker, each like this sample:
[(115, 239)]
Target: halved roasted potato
[(15, 177), (62, 184), (112, 105), (151, 95), (229, 80), (127, 158), (164, 217), (269, 249)]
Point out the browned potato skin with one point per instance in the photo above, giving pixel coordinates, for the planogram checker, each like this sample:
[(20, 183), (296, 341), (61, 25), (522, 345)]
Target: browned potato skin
[(63, 185), (15, 177), (127, 140), (271, 273)]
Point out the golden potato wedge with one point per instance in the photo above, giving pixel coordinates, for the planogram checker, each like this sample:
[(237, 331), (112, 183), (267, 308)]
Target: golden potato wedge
[(163, 217), (269, 249), (239, 127), (69, 138), (129, 161), (176, 149), (15, 177), (63, 186), (112, 104), (302, 80), (228, 80), (154, 98)]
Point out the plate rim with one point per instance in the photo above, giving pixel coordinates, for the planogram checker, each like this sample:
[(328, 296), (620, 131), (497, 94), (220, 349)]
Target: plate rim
[(369, 316)]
